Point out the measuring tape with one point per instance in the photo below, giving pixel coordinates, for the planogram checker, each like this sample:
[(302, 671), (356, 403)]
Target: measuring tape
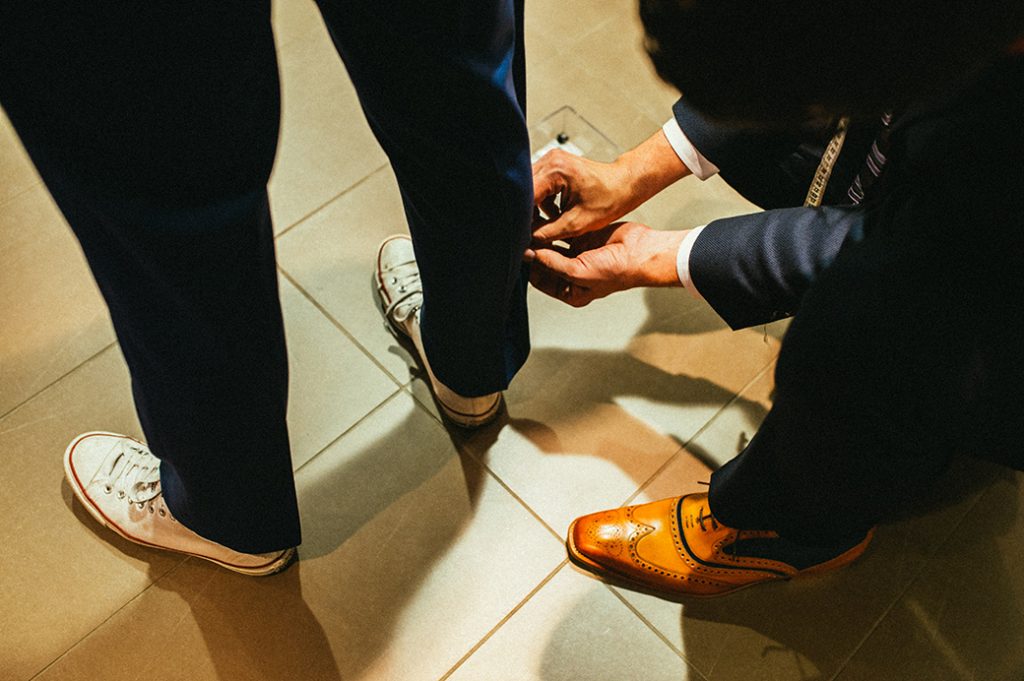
[(828, 160)]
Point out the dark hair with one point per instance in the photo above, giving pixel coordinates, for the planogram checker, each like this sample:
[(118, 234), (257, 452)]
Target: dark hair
[(780, 61)]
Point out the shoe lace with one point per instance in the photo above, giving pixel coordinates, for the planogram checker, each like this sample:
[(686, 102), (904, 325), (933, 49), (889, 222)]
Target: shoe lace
[(407, 281), (702, 518), (732, 549), (133, 473)]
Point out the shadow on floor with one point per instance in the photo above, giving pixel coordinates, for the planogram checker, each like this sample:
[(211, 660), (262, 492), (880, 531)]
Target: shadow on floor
[(265, 628)]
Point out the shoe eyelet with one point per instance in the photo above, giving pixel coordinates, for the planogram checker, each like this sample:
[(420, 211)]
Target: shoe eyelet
[(394, 280), (107, 489), (151, 510), (120, 494), (162, 513), (401, 289)]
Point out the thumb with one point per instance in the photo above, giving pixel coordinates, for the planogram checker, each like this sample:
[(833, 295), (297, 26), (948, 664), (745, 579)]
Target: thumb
[(551, 259), (565, 226)]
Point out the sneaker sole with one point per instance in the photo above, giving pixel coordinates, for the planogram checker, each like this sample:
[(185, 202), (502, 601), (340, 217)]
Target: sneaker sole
[(453, 416), (270, 568)]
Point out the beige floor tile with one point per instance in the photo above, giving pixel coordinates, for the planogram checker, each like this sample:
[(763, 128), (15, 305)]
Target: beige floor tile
[(411, 555), (295, 20), (17, 173), (611, 323), (708, 362), (332, 384), (961, 619), (808, 628), (608, 394), (564, 458), (565, 22), (588, 55), (332, 256), (542, 50), (52, 312), (62, 574), (325, 145), (659, 354), (561, 82), (718, 442), (574, 628), (553, 28), (614, 54)]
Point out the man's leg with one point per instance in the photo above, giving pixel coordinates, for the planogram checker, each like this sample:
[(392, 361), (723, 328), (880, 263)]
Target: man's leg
[(870, 394), (872, 389), (154, 128), (442, 87)]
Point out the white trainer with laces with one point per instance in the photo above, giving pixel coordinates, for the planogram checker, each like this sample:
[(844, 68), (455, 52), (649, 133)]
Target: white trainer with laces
[(117, 479), (400, 295)]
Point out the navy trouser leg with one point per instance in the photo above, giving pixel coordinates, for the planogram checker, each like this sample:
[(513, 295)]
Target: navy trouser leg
[(441, 84), (154, 127), (872, 394)]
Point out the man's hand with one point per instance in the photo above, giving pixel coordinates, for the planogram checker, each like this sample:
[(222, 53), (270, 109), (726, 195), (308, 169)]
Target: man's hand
[(594, 194), (621, 256), (591, 195)]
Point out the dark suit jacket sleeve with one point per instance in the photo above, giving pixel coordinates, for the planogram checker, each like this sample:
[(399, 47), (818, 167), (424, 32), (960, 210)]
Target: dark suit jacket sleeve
[(773, 169), (754, 269)]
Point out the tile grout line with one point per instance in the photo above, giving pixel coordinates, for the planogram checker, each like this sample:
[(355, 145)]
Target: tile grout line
[(14, 197), (108, 618), (338, 325), (185, 559), (700, 431), (57, 380), (504, 485), (504, 619), (903, 592), (331, 200), (671, 458), (657, 632), (407, 388), (348, 430)]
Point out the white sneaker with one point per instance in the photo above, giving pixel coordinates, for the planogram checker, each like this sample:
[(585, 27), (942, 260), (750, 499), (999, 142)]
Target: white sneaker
[(400, 295), (118, 480)]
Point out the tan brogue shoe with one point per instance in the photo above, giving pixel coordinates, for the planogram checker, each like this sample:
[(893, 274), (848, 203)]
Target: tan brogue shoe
[(677, 548)]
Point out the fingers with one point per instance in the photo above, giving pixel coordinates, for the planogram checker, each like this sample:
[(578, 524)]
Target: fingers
[(556, 176), (550, 208), (565, 226), (548, 282), (569, 269), (549, 180), (550, 274)]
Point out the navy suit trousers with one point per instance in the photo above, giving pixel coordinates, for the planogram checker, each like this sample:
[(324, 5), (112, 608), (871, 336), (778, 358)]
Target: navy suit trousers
[(154, 126)]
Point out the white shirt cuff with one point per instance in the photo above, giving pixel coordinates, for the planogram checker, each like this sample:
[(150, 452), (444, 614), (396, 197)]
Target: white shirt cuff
[(701, 168), (683, 261)]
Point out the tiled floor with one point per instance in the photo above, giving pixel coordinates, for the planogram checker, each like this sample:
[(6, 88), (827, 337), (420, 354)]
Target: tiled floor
[(436, 555)]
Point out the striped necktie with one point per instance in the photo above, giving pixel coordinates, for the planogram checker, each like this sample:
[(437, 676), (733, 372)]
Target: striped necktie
[(874, 163)]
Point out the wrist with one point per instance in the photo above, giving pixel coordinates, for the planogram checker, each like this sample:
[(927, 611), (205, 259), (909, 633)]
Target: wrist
[(650, 167), (657, 265)]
